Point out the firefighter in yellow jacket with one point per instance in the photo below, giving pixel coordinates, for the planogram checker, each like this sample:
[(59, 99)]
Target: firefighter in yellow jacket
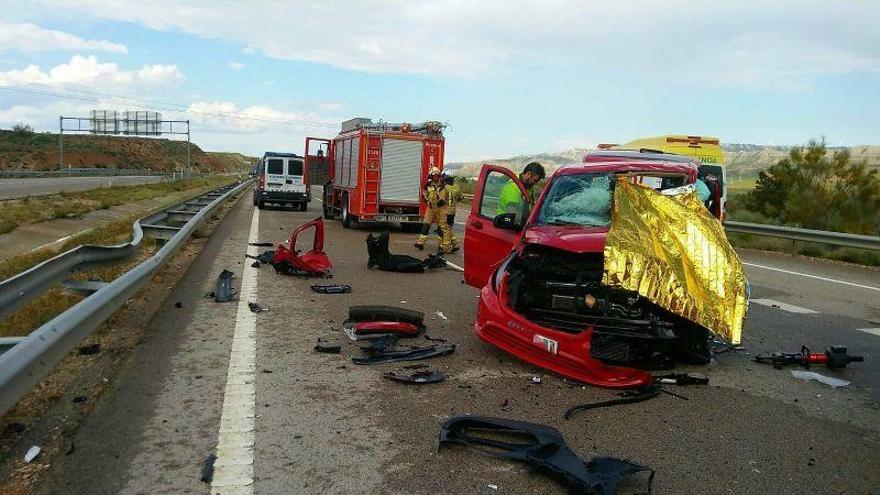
[(436, 196), (453, 196)]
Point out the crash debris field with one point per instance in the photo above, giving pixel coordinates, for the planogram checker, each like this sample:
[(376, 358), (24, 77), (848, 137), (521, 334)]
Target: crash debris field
[(331, 413)]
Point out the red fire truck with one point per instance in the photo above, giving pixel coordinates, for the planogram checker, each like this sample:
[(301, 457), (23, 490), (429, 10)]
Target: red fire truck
[(374, 172)]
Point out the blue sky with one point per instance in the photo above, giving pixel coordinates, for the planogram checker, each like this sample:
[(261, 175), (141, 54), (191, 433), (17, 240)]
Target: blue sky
[(509, 77)]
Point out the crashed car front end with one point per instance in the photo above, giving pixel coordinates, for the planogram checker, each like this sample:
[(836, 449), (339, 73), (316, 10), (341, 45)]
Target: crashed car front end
[(550, 303)]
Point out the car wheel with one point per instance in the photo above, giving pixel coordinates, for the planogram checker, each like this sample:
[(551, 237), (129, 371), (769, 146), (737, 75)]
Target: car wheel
[(261, 204), (303, 206)]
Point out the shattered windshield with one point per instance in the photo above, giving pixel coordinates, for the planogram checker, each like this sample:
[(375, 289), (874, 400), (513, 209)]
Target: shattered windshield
[(583, 200)]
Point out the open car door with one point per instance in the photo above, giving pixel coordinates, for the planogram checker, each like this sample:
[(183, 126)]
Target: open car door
[(317, 163), (491, 232)]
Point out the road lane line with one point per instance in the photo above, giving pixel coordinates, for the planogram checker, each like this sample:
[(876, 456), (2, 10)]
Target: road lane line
[(234, 467), (843, 282), (872, 331), (783, 306)]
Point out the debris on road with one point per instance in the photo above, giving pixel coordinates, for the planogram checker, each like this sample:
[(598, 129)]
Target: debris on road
[(625, 397), (441, 315), (434, 339), (544, 447), (835, 357), (411, 354), (265, 258), (380, 256), (224, 291), (682, 379), (536, 380), (255, 264), (373, 322), (256, 307), (261, 244), (812, 375), (32, 454), (15, 427), (331, 289), (314, 263), (418, 378), (208, 468), (328, 347), (88, 350), (80, 398), (178, 305)]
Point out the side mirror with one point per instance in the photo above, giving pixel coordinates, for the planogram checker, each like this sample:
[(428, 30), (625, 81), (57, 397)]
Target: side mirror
[(506, 221)]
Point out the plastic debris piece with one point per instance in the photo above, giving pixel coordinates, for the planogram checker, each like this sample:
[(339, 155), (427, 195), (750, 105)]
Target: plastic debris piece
[(543, 447), (417, 378), (683, 379), (536, 380), (88, 350), (441, 315), (812, 375), (261, 244), (80, 398), (255, 264), (328, 347), (331, 289), (626, 397), (492, 487), (257, 308), (412, 354), (224, 291), (178, 304), (208, 468), (32, 453)]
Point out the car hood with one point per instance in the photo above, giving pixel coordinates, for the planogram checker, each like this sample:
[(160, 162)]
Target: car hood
[(567, 238)]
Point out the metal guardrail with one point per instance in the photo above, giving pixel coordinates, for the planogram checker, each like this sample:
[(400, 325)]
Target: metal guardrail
[(821, 236), (84, 172), (793, 233), (27, 360)]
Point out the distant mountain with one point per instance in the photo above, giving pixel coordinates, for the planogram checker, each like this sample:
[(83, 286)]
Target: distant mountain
[(741, 159)]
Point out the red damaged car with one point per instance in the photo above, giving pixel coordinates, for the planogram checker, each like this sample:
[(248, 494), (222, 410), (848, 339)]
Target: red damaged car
[(540, 271)]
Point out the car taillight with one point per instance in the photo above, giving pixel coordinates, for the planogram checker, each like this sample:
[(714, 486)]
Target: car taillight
[(262, 181)]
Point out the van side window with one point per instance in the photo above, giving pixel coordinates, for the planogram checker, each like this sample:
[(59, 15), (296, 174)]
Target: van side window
[(294, 167), (275, 166)]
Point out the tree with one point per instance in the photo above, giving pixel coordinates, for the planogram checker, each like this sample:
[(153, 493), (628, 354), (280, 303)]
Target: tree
[(22, 128), (811, 190)]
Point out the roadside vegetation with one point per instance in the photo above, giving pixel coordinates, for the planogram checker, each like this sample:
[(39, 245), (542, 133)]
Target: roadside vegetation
[(76, 204), (56, 299), (814, 190)]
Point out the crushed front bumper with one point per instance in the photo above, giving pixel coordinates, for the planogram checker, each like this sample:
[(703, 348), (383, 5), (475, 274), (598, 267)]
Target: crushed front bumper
[(567, 354)]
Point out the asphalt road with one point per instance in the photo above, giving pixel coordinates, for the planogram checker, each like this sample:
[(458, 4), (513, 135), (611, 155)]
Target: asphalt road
[(317, 423), (21, 188)]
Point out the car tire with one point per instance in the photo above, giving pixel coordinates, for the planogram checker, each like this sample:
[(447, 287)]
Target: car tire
[(385, 313), (303, 206), (261, 204)]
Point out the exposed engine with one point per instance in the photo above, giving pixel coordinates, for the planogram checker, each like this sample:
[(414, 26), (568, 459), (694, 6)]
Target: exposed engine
[(563, 291)]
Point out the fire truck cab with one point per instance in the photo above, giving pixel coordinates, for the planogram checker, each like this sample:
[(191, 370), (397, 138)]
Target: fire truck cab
[(374, 172)]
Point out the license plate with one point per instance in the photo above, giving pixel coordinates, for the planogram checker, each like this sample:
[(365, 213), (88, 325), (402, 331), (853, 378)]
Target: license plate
[(392, 218)]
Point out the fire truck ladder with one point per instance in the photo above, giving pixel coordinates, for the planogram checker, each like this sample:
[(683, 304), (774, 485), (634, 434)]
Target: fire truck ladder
[(372, 179)]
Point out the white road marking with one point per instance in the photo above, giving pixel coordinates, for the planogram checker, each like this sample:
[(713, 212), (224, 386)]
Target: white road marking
[(234, 467), (843, 282), (872, 331), (59, 240), (783, 306), (453, 265)]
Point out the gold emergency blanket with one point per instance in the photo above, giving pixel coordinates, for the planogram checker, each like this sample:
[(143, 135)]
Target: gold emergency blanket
[(673, 252)]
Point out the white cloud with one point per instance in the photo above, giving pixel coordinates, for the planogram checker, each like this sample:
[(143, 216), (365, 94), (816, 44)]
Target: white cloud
[(236, 65), (89, 72), (31, 38), (707, 43), (227, 116)]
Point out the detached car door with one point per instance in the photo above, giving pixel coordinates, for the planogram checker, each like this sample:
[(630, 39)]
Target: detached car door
[(485, 245)]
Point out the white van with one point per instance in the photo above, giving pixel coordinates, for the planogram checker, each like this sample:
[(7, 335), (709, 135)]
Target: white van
[(280, 180)]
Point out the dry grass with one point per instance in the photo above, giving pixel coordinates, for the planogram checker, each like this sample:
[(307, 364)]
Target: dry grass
[(76, 204)]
